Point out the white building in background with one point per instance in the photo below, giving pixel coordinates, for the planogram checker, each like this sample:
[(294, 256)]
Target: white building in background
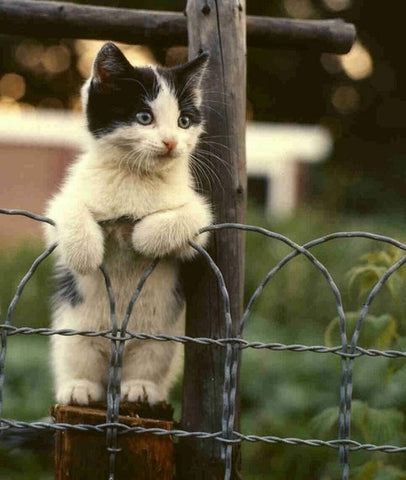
[(276, 153), (36, 146)]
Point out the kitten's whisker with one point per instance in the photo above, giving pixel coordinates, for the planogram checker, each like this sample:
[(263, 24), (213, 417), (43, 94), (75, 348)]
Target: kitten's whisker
[(205, 168), (216, 92), (203, 153), (218, 136), (139, 161), (195, 175), (199, 183), (211, 169), (131, 158), (210, 152), (200, 171), (219, 102), (217, 144), (191, 79), (214, 111)]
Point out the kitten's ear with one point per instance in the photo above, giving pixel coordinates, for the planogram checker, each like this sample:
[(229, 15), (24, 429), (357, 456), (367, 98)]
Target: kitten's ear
[(110, 63), (193, 72)]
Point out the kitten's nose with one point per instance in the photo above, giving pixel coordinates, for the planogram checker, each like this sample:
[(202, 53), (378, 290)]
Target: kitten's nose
[(170, 144)]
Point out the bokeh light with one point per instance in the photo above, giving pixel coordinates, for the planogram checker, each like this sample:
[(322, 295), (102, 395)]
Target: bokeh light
[(56, 59), (358, 63), (28, 53), (331, 63), (300, 9), (12, 86), (337, 5), (346, 99)]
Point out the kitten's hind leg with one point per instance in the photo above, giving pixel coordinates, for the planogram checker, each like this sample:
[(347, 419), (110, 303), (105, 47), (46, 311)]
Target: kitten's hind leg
[(146, 368), (81, 367)]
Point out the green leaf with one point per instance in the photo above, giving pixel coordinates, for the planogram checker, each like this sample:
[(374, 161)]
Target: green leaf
[(389, 472), (377, 470), (376, 332), (323, 423), (374, 267), (374, 425), (369, 470), (367, 277), (377, 425), (383, 258)]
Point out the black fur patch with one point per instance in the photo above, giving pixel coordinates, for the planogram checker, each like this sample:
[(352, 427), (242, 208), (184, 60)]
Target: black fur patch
[(66, 289), (117, 103), (178, 302), (185, 80), (179, 294), (184, 89)]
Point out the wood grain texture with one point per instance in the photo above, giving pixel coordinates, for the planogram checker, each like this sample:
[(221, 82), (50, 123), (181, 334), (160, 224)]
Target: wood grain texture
[(83, 455), (155, 28), (220, 30)]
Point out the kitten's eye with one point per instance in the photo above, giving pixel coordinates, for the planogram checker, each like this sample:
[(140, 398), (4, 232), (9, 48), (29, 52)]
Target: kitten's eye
[(184, 121), (145, 118)]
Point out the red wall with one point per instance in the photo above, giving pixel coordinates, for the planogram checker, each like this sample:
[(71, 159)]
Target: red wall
[(28, 177)]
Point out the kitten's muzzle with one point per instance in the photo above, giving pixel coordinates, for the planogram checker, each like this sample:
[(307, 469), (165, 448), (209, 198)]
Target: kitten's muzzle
[(170, 145)]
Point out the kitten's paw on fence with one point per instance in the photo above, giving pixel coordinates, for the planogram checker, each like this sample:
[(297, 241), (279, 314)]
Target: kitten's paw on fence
[(187, 252), (80, 392), (166, 233), (85, 255), (141, 391)]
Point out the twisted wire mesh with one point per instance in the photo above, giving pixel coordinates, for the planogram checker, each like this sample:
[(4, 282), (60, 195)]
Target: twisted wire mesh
[(118, 334)]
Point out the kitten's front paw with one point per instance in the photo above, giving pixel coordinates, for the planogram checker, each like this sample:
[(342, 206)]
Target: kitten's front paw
[(163, 234), (80, 392), (147, 239), (83, 254), (141, 391)]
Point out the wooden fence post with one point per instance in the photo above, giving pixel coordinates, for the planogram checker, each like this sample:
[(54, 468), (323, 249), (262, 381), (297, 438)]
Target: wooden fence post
[(82, 455), (218, 27)]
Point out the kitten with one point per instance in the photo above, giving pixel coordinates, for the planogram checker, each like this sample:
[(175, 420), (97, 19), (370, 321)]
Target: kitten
[(144, 123)]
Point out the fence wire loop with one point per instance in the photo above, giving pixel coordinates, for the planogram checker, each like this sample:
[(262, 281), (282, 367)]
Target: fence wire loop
[(227, 436)]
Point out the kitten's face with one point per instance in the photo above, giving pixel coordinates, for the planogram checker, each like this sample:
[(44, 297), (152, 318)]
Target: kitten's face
[(148, 117)]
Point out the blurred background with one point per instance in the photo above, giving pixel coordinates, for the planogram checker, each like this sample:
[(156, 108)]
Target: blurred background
[(326, 151)]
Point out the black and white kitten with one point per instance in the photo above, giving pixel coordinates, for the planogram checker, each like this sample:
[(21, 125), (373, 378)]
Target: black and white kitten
[(144, 123)]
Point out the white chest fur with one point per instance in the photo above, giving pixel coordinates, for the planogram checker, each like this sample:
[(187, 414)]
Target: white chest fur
[(110, 192)]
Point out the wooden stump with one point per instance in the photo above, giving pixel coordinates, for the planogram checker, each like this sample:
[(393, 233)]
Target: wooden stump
[(82, 455)]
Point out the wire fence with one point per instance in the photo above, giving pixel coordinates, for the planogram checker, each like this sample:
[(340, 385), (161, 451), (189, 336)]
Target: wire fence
[(348, 350)]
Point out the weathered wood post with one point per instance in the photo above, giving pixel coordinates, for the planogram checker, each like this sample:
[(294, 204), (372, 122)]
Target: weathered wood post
[(219, 28), (81, 455)]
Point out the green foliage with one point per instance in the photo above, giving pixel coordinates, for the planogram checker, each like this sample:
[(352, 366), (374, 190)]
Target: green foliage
[(33, 308), (27, 389), (291, 394), (368, 424), (375, 425), (286, 394), (373, 266), (376, 470), (377, 332), (27, 396), (18, 465)]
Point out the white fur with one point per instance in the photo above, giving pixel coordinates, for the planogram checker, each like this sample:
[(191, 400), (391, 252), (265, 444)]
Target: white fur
[(126, 173)]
